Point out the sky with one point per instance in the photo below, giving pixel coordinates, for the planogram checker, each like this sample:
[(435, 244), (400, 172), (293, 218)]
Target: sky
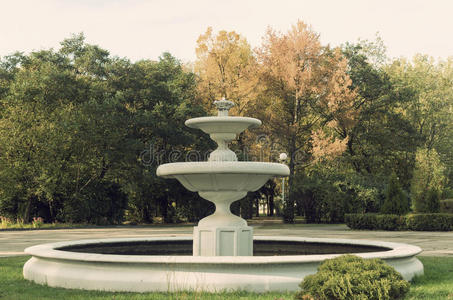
[(140, 29)]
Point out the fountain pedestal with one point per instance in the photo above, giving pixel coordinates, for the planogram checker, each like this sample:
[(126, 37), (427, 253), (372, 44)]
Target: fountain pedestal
[(223, 241), (222, 233)]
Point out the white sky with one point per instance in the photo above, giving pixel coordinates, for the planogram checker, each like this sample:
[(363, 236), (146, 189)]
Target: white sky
[(140, 29)]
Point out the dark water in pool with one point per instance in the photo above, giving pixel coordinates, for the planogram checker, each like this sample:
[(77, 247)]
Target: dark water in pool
[(260, 248)]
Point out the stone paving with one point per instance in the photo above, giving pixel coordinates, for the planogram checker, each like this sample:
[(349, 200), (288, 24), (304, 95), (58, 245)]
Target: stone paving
[(13, 242)]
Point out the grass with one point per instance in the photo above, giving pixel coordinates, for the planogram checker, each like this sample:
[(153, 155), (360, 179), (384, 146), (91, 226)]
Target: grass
[(6, 224), (14, 287), (436, 284), (36, 223), (43, 226)]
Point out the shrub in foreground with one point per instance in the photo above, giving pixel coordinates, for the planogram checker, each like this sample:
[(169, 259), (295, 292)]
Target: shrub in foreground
[(352, 277)]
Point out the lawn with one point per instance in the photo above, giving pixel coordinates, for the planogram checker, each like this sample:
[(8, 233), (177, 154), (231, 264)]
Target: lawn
[(436, 284)]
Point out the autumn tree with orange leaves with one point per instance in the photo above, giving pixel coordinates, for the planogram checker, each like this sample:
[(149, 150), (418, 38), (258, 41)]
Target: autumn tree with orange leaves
[(226, 67), (310, 105)]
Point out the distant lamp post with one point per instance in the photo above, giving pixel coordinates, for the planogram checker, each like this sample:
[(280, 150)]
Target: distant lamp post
[(282, 159)]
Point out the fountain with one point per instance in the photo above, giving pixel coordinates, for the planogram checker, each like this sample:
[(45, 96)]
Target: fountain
[(222, 180), (223, 254)]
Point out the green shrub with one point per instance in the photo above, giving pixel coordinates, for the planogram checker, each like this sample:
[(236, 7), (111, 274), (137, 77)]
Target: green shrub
[(100, 203), (433, 201), (447, 192), (4, 222), (37, 222), (395, 201), (352, 277), (428, 174), (375, 221), (361, 221), (326, 196), (390, 222), (418, 222), (446, 206), (430, 222)]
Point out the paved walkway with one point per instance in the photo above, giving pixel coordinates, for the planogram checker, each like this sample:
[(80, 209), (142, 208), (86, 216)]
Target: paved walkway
[(433, 243)]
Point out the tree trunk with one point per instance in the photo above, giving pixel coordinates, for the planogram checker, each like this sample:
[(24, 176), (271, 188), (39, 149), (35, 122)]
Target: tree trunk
[(51, 214), (288, 213), (146, 214), (299, 208), (164, 208), (257, 207), (271, 205), (268, 213), (26, 215), (247, 207)]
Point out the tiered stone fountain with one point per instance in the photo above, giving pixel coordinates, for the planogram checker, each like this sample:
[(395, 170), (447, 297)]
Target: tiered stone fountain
[(223, 253), (222, 180)]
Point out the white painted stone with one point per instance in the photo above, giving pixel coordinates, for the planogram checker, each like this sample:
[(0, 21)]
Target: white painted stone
[(222, 183), (135, 273), (222, 180), (223, 124), (223, 241), (226, 176)]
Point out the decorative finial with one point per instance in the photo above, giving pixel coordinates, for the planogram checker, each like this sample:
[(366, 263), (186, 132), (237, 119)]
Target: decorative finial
[(223, 106)]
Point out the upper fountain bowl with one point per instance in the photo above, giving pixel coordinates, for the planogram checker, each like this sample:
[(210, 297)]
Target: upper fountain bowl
[(223, 124), (222, 176)]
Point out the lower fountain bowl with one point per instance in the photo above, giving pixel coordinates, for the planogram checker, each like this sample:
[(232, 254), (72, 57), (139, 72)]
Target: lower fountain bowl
[(166, 263)]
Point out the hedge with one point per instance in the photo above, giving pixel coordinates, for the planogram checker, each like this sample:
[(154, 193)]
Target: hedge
[(418, 222)]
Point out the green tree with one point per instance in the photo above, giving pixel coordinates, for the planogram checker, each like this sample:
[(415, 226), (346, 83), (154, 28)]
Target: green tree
[(433, 201), (371, 147), (429, 106), (428, 176), (431, 96), (326, 192), (73, 126), (395, 201)]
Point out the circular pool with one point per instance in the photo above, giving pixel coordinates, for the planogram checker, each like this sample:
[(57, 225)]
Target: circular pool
[(167, 264)]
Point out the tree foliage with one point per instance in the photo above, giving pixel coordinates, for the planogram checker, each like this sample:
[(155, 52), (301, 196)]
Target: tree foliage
[(82, 132), (396, 202), (226, 68), (73, 125), (428, 180), (382, 140), (309, 97)]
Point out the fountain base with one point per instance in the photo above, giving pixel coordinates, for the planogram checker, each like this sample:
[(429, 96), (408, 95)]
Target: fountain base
[(278, 264), (223, 241)]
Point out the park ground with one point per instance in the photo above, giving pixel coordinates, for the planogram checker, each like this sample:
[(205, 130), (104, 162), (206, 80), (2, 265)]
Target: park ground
[(13, 242), (437, 257)]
